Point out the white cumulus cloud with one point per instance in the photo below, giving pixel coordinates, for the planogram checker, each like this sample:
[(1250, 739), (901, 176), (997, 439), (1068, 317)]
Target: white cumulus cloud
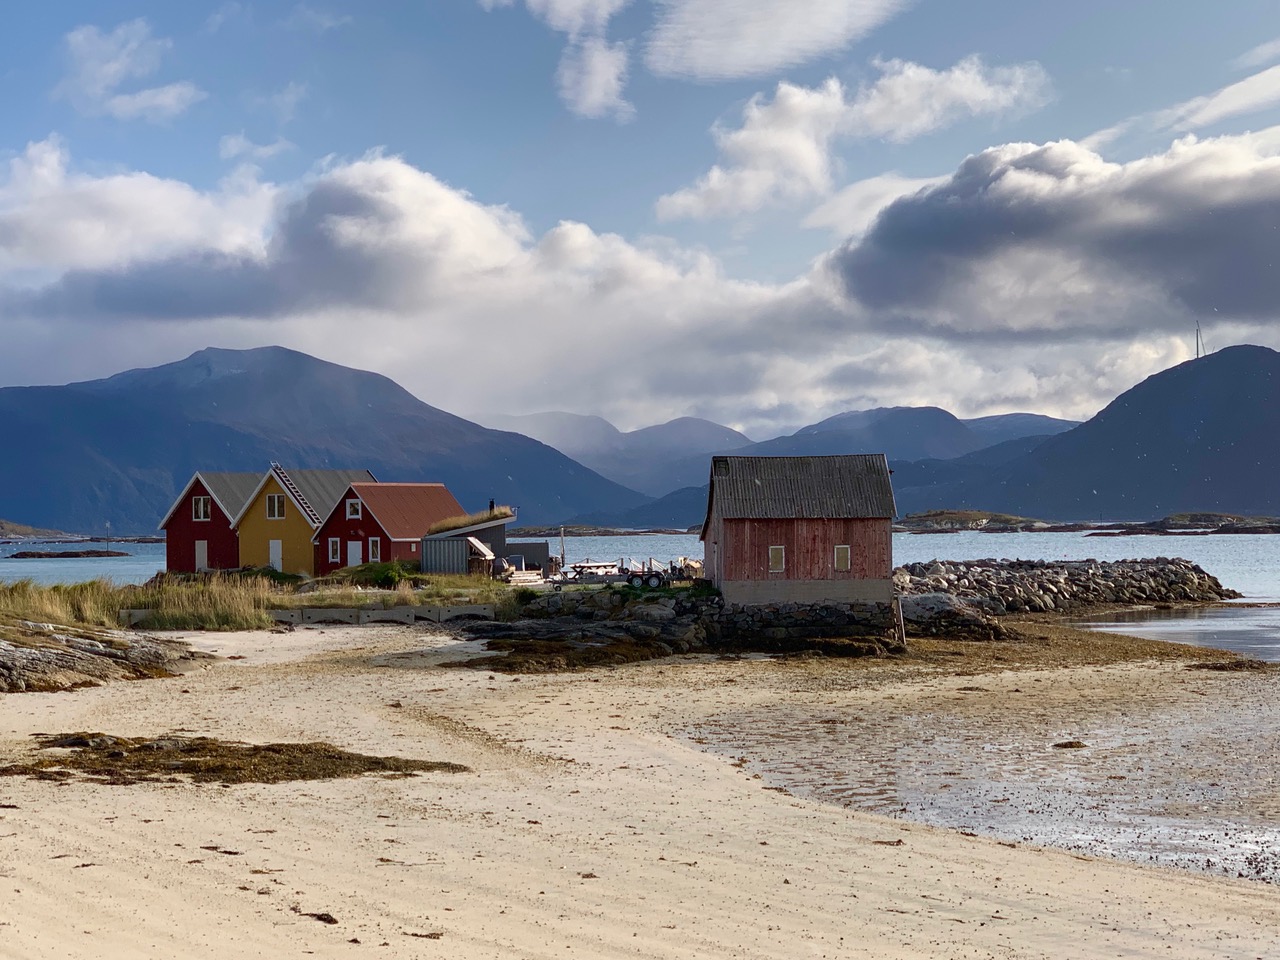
[(236, 145), (1037, 277), (53, 219), (101, 63), (1259, 56), (729, 39), (783, 149), (592, 74), (1258, 92), (852, 210)]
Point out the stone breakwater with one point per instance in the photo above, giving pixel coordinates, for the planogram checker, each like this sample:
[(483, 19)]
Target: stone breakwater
[(999, 587)]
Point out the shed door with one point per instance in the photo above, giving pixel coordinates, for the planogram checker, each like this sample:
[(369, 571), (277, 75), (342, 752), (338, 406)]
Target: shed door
[(354, 553), (202, 554), (275, 554)]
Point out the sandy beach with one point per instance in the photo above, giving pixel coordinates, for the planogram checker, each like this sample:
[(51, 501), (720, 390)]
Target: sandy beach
[(589, 824)]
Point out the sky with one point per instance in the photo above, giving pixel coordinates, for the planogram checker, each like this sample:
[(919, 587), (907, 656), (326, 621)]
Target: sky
[(757, 212)]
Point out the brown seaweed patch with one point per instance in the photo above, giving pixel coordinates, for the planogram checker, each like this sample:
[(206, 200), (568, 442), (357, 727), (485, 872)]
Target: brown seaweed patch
[(1231, 665), (104, 758)]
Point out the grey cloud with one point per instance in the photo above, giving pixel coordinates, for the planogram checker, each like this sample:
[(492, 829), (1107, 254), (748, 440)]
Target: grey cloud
[(308, 265), (1043, 241)]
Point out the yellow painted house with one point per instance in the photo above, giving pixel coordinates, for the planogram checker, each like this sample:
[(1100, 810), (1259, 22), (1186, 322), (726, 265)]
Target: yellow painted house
[(277, 524)]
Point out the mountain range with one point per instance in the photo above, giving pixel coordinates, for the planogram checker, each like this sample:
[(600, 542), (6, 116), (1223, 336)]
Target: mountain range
[(118, 450), (1199, 436), (1196, 437), (661, 459)]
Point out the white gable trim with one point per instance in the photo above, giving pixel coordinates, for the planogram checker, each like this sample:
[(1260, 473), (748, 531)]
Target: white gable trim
[(183, 496), (258, 490)]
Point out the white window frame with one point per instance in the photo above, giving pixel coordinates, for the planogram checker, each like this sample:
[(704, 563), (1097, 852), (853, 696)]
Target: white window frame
[(355, 509), (202, 508), (274, 499), (848, 558), (778, 560), (375, 549), (335, 549)]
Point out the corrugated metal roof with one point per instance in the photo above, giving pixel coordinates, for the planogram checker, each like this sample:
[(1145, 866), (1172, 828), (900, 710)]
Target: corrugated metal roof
[(231, 490), (407, 511), (761, 488), (324, 488)]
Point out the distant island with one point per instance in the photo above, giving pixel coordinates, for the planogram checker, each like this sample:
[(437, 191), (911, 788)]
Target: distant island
[(1176, 525), (581, 530), (65, 554)]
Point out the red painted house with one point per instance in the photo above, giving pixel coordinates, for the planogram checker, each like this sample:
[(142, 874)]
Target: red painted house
[(198, 533), (800, 529), (379, 522)]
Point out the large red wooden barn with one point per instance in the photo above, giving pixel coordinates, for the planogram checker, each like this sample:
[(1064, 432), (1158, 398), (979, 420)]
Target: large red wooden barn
[(379, 522), (198, 531), (800, 529)]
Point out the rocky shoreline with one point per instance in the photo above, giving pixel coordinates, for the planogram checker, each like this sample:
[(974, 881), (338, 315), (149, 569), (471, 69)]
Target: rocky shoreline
[(45, 657), (954, 600)]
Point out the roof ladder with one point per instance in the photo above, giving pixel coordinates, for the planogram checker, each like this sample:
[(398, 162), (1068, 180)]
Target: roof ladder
[(286, 481)]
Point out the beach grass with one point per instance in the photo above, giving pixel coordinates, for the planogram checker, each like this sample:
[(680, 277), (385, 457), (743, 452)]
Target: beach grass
[(233, 601)]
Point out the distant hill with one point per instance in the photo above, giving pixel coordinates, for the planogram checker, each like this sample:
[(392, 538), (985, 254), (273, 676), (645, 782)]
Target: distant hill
[(10, 529), (119, 449), (680, 509), (641, 459), (1015, 426), (1198, 437)]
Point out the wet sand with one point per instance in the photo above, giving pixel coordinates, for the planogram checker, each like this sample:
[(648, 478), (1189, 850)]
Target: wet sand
[(587, 827)]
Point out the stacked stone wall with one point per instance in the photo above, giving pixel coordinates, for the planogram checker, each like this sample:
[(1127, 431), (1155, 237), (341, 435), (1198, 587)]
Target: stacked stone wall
[(1036, 586)]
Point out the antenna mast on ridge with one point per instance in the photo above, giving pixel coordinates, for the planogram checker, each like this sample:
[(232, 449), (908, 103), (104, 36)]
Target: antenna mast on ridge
[(1201, 350)]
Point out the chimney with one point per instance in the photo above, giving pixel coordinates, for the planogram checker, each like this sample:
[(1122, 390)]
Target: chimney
[(492, 506)]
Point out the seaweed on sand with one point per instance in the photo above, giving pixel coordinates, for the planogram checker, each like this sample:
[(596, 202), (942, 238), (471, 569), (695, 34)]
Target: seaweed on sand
[(104, 758)]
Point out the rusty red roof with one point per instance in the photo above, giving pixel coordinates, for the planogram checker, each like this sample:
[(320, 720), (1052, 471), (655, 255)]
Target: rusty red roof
[(406, 511)]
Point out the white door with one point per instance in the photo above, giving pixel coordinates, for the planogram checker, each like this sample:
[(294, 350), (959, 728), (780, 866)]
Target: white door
[(202, 554), (275, 554), (353, 553)]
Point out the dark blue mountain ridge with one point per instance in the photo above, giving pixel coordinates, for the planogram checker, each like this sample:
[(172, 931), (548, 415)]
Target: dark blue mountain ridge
[(120, 449)]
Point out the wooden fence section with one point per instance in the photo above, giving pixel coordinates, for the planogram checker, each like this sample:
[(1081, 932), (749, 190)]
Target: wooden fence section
[(357, 615)]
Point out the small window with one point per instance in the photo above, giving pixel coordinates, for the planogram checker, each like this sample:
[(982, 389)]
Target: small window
[(355, 509), (275, 506), (413, 548), (777, 559), (335, 549), (842, 557), (201, 508), (375, 549)]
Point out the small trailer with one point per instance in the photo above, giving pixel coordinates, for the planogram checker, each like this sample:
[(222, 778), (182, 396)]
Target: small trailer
[(650, 574)]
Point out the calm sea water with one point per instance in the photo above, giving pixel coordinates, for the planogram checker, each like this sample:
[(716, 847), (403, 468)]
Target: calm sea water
[(1250, 564), (144, 561)]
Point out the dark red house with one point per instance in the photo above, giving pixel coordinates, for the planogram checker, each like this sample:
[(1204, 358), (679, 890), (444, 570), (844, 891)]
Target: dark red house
[(800, 529), (198, 534), (378, 522)]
